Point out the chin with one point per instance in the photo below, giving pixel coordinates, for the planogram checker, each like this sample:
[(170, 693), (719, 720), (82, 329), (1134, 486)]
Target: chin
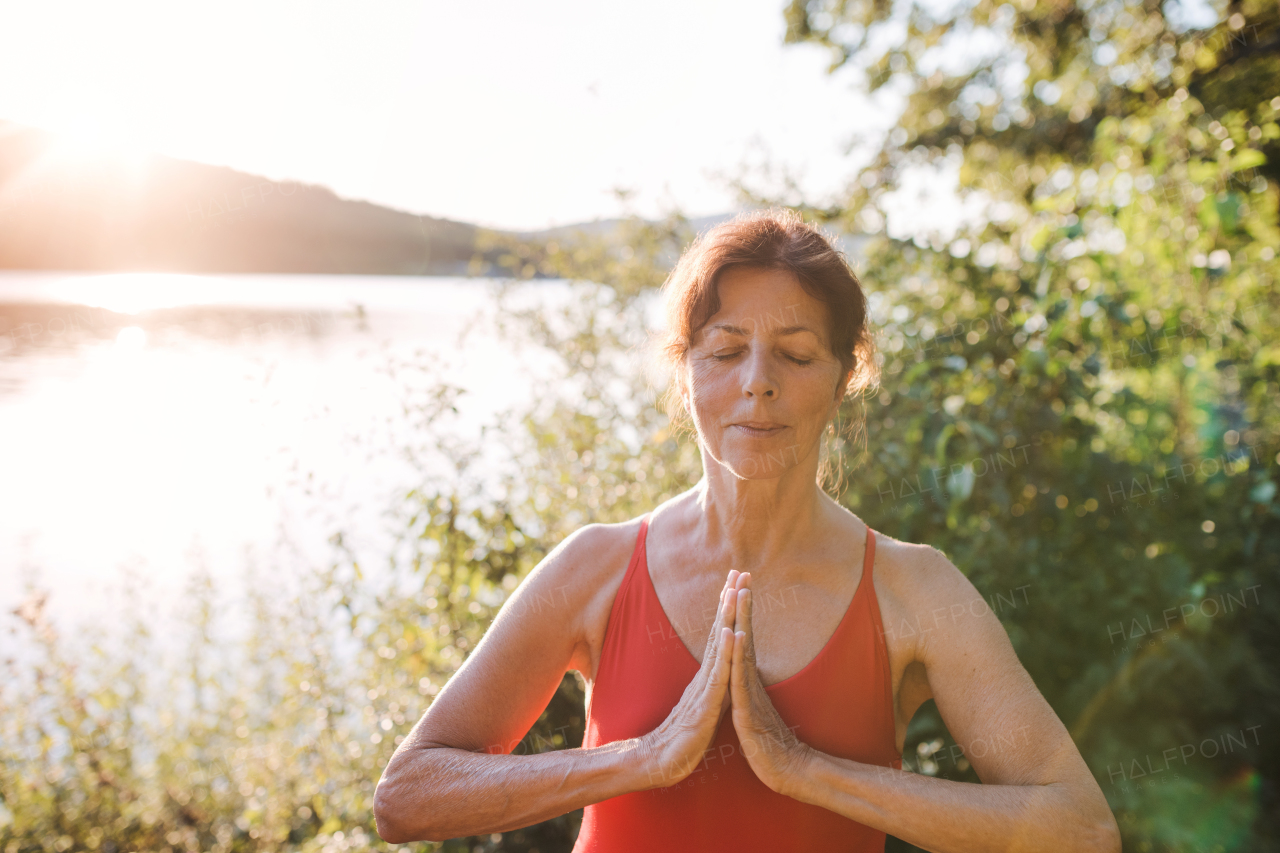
[(764, 464)]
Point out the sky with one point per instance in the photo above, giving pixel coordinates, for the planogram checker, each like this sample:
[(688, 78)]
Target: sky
[(510, 115)]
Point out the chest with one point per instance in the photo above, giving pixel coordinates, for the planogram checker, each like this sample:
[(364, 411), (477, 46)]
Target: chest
[(819, 655), (794, 616)]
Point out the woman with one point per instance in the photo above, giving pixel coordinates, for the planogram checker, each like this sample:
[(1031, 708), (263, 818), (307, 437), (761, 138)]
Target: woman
[(771, 717)]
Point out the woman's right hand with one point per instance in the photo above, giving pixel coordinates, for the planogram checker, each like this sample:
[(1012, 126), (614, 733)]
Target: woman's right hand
[(674, 749)]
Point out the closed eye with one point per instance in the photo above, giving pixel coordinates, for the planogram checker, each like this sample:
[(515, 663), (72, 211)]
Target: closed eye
[(800, 361)]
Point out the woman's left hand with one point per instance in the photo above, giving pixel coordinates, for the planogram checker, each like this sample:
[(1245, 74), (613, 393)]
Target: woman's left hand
[(772, 749)]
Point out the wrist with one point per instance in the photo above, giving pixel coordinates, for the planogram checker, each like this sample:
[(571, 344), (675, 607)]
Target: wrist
[(647, 764), (804, 762)]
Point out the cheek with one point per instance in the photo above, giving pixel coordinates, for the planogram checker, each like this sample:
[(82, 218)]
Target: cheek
[(707, 385), (817, 389)]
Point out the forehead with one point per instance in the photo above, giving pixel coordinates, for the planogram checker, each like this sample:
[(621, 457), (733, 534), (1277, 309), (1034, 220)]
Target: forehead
[(754, 299)]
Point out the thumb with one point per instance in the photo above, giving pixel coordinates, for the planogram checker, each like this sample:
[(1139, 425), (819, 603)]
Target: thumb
[(724, 671)]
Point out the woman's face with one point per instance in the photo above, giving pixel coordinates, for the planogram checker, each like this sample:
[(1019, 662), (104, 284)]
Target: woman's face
[(761, 381)]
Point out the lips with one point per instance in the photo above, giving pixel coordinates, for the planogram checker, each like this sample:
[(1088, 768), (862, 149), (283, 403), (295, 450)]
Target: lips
[(760, 428)]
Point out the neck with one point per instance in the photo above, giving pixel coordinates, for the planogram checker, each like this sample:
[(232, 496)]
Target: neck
[(750, 525)]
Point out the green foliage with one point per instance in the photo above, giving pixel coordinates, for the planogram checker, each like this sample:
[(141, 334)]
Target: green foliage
[(1080, 390)]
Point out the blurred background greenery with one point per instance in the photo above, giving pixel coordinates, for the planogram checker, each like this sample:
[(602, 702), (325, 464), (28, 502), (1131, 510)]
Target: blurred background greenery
[(1079, 406)]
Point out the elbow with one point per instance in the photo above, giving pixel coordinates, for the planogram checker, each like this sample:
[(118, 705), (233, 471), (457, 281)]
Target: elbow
[(1111, 842), (386, 813), (1103, 834), (391, 815)]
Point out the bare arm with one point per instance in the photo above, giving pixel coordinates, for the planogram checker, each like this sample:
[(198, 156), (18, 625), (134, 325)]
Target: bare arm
[(1037, 793), (959, 817), (440, 792), (452, 775)]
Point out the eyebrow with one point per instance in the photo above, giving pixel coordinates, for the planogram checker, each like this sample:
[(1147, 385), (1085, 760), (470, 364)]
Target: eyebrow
[(738, 330)]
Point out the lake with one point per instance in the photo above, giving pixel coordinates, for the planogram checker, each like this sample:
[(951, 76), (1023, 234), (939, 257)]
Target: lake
[(154, 423)]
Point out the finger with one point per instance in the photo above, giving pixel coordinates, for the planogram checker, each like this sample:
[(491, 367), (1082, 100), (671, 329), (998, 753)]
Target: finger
[(722, 671), (719, 694), (726, 670), (730, 583), (724, 619), (726, 614), (724, 664), (742, 612), (726, 591), (746, 692), (746, 607), (738, 677), (743, 625), (732, 595)]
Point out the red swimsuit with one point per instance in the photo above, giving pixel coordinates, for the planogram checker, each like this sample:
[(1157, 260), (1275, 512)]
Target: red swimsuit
[(841, 703)]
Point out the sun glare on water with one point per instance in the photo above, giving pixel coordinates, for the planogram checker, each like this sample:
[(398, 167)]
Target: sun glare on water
[(131, 338), (133, 293)]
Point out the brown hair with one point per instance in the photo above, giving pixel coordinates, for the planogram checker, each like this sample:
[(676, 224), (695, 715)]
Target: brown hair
[(770, 239)]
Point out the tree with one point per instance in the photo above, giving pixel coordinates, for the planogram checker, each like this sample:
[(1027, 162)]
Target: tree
[(1080, 388)]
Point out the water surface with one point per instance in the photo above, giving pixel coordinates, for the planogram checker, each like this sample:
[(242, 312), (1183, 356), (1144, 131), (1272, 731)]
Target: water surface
[(161, 422)]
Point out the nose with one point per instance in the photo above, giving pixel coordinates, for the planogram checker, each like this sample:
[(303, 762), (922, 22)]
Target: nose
[(757, 380)]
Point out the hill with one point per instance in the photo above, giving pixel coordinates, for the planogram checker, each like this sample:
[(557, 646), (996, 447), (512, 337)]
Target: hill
[(62, 210)]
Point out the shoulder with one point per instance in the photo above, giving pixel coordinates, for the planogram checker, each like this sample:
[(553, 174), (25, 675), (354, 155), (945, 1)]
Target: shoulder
[(583, 560), (578, 581), (916, 572), (924, 596), (591, 550)]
